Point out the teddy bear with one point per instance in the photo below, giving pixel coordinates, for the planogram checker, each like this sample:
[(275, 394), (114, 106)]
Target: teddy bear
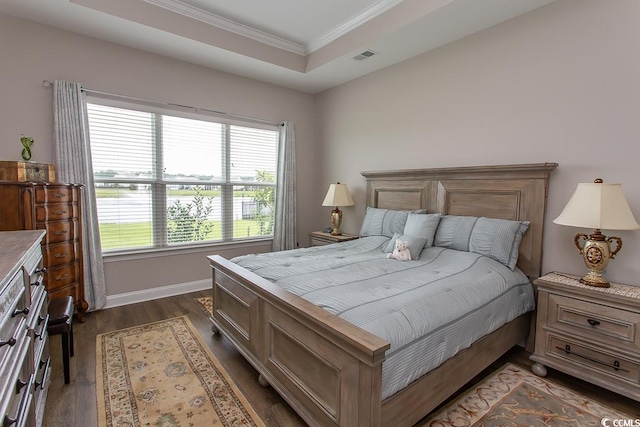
[(401, 251)]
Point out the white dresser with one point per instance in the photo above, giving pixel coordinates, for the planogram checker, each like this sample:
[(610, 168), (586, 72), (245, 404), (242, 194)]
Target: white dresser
[(24, 350)]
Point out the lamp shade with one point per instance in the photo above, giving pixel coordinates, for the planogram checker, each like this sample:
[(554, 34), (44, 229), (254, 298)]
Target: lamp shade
[(600, 206), (338, 195)]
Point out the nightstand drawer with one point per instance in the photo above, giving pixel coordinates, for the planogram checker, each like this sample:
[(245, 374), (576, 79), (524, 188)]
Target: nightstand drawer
[(593, 358), (320, 238), (596, 322)]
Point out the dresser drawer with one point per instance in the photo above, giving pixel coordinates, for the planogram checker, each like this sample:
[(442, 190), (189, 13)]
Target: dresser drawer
[(32, 264), (58, 277), (37, 322), (73, 289), (56, 212), (595, 322), (12, 319), (60, 253), (42, 379), (12, 355), (55, 194), (18, 397), (594, 358), (11, 297), (59, 231)]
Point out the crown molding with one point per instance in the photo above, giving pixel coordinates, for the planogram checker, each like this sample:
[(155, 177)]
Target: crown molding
[(351, 24), (209, 18), (180, 7)]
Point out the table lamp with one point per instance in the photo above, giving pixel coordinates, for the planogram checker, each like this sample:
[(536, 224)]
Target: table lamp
[(599, 206), (338, 195)]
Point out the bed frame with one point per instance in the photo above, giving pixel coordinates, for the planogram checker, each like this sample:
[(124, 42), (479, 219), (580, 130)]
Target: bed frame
[(329, 370)]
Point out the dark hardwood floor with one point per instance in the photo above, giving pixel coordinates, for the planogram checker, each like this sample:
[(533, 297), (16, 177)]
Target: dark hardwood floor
[(75, 404)]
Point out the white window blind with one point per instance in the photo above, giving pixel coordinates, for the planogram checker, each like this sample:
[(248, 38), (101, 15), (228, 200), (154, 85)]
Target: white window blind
[(163, 180)]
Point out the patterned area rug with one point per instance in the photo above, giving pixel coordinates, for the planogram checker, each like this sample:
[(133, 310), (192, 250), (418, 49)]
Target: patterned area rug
[(207, 304), (163, 374), (513, 397), (516, 397)]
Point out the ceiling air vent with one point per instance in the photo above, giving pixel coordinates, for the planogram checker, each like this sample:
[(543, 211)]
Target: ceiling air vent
[(364, 55)]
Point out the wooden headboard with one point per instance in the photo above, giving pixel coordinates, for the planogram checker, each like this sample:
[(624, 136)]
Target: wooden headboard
[(514, 192)]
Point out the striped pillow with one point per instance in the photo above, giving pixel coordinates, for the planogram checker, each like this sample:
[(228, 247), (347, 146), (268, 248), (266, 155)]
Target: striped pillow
[(498, 239)]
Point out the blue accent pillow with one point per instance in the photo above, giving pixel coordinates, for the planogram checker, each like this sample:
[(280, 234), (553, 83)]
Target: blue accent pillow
[(383, 222), (498, 239), (422, 225), (454, 232)]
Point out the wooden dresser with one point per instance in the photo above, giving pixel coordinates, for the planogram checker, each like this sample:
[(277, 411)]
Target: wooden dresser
[(56, 208), (589, 332), (25, 367)]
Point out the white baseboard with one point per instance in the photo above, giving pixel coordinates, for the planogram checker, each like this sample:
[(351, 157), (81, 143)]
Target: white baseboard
[(155, 293)]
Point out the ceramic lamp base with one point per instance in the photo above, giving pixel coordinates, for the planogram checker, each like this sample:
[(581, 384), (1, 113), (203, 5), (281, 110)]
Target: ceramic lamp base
[(597, 252), (336, 220)]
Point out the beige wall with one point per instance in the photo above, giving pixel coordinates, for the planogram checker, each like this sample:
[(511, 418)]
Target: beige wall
[(30, 53), (559, 84)]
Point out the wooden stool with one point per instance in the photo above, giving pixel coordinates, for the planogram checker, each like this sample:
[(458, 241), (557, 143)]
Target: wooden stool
[(61, 322)]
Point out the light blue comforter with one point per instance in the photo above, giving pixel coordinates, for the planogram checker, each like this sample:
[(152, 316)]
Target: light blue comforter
[(428, 309)]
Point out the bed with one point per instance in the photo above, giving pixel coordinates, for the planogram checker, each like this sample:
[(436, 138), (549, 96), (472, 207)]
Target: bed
[(331, 371)]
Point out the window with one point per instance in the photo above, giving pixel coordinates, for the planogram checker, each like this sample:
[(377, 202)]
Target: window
[(165, 180)]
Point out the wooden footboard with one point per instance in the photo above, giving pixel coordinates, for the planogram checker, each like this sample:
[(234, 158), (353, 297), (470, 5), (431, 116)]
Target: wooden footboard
[(327, 369)]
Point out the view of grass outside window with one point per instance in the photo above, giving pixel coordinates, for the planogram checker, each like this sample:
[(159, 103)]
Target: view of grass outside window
[(164, 180)]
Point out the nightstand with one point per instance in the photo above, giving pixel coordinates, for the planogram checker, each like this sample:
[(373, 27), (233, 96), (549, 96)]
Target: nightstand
[(320, 238), (588, 332)]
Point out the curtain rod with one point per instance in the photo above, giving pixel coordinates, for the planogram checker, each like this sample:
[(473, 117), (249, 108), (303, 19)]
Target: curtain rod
[(170, 104)]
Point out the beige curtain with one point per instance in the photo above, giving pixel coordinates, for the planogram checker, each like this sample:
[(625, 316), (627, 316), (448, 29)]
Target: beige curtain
[(73, 165), (285, 224)]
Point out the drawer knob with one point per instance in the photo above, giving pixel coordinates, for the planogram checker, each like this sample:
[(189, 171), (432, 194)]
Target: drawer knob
[(62, 212), (24, 311), (60, 255), (41, 270), (39, 281), (20, 385), (59, 233), (11, 342), (593, 322), (9, 421), (62, 277), (40, 335)]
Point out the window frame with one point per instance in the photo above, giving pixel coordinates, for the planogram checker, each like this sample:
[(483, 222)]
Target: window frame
[(158, 186)]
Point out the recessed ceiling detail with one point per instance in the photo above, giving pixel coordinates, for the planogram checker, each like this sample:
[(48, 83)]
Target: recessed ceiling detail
[(308, 46), (349, 25), (376, 9), (193, 12)]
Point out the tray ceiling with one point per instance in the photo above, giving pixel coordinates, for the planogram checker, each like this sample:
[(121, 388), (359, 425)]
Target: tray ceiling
[(305, 45)]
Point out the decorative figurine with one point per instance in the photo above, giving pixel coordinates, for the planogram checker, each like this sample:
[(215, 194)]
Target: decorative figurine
[(26, 151)]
